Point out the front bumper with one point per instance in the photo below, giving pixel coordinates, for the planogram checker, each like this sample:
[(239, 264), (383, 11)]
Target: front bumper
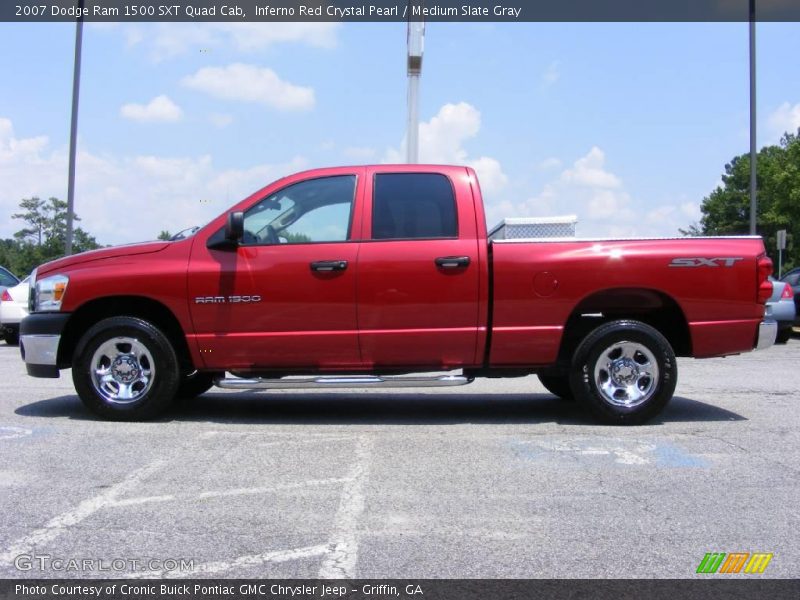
[(39, 337), (767, 331)]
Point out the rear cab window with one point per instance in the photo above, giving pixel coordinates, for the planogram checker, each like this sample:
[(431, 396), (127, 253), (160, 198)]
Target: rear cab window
[(409, 206)]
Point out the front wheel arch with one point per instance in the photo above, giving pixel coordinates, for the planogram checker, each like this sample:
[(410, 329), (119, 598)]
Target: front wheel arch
[(142, 307)]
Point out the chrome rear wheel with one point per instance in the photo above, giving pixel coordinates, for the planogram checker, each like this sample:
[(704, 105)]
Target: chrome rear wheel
[(626, 374), (624, 371)]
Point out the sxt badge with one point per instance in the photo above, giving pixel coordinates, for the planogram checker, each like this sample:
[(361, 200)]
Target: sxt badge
[(705, 262)]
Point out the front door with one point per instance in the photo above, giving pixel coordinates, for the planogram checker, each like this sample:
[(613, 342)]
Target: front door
[(286, 297)]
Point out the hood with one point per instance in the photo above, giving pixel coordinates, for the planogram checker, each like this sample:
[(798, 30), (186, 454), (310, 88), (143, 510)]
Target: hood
[(102, 253)]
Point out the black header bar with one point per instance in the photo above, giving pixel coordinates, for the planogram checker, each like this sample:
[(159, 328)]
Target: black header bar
[(399, 10), (745, 588)]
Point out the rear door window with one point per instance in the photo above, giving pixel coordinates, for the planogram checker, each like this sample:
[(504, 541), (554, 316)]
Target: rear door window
[(409, 206)]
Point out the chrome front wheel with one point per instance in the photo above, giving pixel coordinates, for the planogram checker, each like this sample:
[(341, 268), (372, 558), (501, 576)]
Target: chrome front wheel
[(122, 370), (125, 368)]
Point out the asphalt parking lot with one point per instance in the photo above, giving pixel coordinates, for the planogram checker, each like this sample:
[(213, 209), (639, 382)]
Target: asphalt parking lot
[(496, 479)]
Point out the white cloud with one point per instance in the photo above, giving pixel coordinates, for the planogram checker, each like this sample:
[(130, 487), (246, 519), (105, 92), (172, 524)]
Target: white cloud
[(133, 35), (27, 168), (248, 83), (441, 140), (691, 210), (590, 171), (126, 199), (220, 120), (490, 174), (160, 108), (12, 147), (607, 204), (250, 37), (551, 74), (170, 40), (785, 118), (549, 163), (598, 197)]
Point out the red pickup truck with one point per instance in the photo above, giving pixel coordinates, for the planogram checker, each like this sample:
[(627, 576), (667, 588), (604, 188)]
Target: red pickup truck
[(362, 276)]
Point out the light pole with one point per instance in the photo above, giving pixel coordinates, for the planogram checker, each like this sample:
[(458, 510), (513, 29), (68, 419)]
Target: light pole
[(73, 130), (753, 153), (416, 41)]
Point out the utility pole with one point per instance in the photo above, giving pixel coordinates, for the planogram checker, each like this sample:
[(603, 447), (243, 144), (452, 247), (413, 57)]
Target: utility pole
[(73, 130), (416, 42), (753, 151)]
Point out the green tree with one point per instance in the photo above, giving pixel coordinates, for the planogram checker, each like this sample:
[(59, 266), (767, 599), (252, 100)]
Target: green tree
[(164, 235), (35, 218), (43, 237), (726, 211)]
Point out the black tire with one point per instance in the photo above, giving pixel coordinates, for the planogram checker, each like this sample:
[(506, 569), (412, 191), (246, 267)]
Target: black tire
[(11, 337), (192, 386), (645, 372), (558, 385), (144, 363), (784, 335)]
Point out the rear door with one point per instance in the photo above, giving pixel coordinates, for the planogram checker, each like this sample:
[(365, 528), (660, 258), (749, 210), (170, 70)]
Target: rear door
[(285, 298), (418, 280)]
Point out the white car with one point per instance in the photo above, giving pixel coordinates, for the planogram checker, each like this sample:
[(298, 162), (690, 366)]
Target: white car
[(13, 308)]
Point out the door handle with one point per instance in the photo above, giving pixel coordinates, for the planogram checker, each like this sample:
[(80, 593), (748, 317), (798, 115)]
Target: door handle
[(452, 262), (328, 265)]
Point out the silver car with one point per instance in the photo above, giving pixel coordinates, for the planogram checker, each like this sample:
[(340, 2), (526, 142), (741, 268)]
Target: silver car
[(781, 308)]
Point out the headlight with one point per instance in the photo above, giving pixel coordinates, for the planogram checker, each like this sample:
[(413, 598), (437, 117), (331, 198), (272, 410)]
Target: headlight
[(49, 292)]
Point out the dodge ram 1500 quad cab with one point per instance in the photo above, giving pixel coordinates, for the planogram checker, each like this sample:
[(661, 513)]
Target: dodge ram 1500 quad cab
[(362, 276)]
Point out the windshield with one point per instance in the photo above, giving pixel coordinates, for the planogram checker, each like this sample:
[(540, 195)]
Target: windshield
[(182, 235)]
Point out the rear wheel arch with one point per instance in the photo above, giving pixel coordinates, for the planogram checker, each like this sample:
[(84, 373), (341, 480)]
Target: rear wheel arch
[(652, 307)]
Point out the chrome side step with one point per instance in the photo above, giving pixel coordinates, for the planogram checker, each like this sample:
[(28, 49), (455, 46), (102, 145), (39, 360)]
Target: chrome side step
[(354, 381)]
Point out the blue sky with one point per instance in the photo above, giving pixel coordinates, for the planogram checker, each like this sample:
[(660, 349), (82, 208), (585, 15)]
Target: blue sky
[(628, 126)]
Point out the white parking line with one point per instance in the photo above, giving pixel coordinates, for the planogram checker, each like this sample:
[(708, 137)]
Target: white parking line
[(310, 438), (62, 522), (341, 553), (340, 563), (13, 433), (141, 500), (267, 489), (272, 488), (320, 440), (252, 560)]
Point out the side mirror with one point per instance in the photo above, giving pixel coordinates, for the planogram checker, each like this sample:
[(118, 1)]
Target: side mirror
[(234, 228), (230, 237)]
